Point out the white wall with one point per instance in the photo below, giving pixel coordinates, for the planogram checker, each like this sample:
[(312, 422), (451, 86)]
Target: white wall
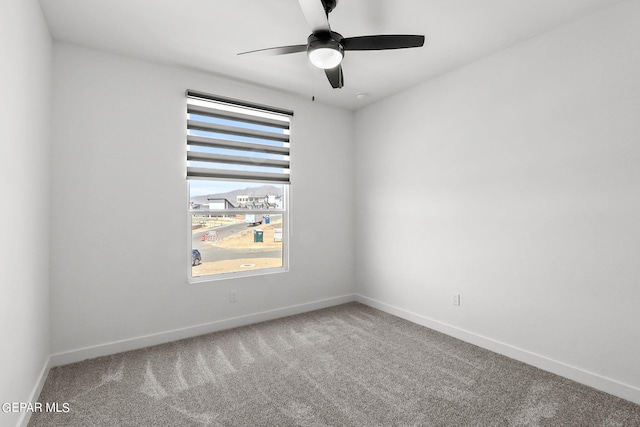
[(515, 181), (118, 261), (25, 81)]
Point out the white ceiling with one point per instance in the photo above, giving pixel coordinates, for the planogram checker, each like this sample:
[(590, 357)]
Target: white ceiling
[(208, 34)]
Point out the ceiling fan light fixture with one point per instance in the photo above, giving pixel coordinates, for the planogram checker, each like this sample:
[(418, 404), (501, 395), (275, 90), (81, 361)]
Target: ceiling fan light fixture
[(324, 53), (325, 57)]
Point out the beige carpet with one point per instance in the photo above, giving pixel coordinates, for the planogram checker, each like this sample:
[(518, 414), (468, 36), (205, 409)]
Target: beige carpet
[(349, 365)]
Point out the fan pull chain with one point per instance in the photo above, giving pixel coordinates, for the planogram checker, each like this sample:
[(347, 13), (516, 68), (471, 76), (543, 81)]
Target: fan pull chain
[(313, 85)]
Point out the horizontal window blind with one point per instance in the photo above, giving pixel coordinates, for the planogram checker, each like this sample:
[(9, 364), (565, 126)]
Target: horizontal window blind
[(236, 140)]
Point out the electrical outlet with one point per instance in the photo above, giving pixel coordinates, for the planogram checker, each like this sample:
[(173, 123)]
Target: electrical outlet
[(232, 296), (456, 299)]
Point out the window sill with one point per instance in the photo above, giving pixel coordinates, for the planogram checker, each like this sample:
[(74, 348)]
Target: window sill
[(236, 275)]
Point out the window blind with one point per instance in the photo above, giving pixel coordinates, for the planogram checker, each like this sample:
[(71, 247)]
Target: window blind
[(235, 140)]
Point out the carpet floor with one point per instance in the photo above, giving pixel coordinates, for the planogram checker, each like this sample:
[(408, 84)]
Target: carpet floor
[(349, 365)]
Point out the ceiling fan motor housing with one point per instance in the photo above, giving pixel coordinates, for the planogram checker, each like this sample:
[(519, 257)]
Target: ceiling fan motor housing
[(325, 49)]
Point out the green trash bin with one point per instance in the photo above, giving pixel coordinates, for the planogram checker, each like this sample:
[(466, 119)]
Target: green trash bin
[(258, 236)]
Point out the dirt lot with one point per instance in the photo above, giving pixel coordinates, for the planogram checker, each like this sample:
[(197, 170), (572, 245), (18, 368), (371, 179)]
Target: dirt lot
[(241, 241), (244, 239), (230, 265)]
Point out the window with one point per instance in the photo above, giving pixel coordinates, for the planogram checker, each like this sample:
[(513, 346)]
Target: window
[(238, 176)]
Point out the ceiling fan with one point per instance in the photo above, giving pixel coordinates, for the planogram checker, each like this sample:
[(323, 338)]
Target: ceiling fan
[(326, 48)]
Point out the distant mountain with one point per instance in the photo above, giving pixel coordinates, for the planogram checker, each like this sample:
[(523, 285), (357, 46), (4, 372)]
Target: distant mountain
[(263, 190)]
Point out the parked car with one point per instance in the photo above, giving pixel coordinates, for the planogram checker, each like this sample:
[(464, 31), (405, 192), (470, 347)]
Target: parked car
[(196, 258)]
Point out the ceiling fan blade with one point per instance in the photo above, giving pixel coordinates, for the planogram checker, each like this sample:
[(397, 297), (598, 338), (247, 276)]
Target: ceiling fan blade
[(335, 76), (282, 50), (382, 42), (316, 16)]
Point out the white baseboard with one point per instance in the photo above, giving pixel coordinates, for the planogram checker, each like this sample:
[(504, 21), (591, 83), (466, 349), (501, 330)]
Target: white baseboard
[(191, 331), (616, 388), (35, 393)]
